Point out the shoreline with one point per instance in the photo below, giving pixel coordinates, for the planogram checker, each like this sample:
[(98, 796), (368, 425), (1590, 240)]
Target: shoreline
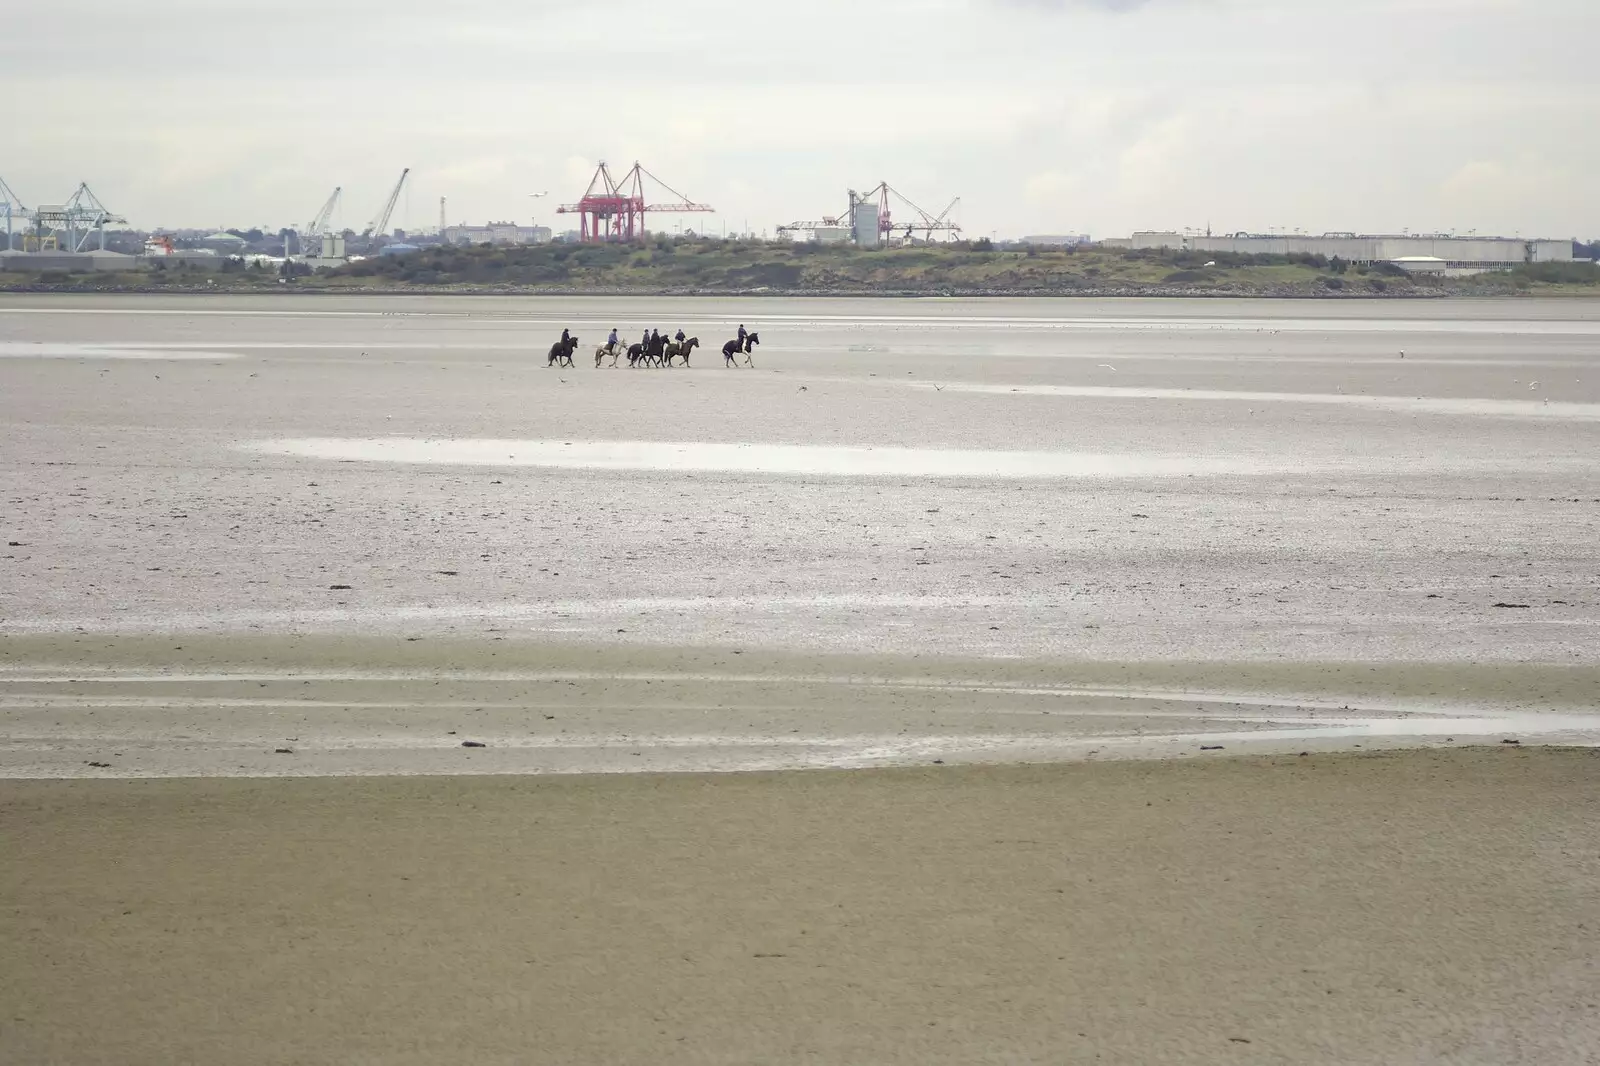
[(1117, 293), (263, 706)]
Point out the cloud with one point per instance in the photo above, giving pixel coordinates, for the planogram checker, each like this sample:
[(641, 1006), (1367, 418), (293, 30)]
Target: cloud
[(1043, 115), (1119, 7), (1494, 189), (1048, 186)]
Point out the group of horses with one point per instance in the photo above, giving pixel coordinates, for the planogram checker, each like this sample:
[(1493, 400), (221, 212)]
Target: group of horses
[(664, 355)]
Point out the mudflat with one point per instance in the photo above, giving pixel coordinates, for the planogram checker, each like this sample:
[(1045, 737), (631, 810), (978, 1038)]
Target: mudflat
[(1422, 906), (1097, 480)]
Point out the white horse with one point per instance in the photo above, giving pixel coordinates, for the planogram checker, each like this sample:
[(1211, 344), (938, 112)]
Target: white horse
[(613, 350)]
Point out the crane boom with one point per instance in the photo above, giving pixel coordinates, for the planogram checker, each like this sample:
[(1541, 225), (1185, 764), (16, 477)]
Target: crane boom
[(11, 199), (381, 223), (319, 225), (12, 207)]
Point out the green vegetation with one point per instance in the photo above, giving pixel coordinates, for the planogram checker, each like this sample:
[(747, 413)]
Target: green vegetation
[(664, 265)]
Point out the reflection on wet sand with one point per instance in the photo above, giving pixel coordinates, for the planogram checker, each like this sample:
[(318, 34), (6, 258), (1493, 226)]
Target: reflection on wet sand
[(42, 350), (225, 706), (1440, 405), (765, 458)]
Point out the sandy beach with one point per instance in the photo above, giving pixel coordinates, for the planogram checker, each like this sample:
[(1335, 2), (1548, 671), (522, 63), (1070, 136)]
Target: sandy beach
[(1116, 681), (1421, 907)]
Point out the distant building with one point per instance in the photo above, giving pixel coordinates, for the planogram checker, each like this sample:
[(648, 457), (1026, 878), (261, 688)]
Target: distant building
[(864, 221), (330, 252), (68, 262), (1422, 264), (506, 233), (1459, 255), (1057, 240), (224, 243)]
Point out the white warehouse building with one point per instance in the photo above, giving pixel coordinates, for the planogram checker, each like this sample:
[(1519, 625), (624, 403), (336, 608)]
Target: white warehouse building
[(496, 233), (1464, 255)]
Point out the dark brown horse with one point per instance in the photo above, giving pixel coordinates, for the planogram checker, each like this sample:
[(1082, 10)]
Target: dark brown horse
[(676, 350)]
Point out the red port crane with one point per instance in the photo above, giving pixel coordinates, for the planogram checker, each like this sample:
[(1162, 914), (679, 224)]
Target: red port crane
[(614, 210)]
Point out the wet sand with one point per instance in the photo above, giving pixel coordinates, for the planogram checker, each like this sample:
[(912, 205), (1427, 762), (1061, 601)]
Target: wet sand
[(1094, 480), (260, 706), (1415, 907)]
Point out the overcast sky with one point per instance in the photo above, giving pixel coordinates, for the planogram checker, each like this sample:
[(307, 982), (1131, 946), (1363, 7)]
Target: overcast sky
[(1044, 116)]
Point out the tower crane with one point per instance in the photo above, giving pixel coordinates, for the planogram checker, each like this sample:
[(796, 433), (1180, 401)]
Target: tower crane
[(319, 225), (376, 228)]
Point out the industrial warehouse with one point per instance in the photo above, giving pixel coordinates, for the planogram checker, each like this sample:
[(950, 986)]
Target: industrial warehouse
[(1435, 253)]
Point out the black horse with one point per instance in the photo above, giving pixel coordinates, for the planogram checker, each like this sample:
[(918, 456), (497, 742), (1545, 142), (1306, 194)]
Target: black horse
[(733, 348), (561, 352), (646, 354)]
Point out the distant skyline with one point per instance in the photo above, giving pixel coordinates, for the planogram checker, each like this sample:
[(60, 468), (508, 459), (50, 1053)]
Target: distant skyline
[(1044, 116)]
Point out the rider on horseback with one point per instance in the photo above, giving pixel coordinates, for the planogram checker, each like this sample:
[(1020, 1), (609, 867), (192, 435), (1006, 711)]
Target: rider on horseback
[(742, 335), (611, 341)]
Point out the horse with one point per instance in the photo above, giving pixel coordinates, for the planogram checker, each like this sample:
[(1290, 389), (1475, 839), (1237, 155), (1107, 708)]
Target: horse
[(561, 352), (676, 350), (613, 350), (635, 354), (733, 348), (655, 353)]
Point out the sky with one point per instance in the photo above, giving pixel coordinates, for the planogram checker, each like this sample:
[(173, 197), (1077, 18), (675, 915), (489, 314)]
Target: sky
[(1043, 116)]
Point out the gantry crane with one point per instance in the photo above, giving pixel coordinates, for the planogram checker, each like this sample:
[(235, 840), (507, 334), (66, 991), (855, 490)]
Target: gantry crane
[(926, 222), (76, 220), (613, 210), (12, 207)]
